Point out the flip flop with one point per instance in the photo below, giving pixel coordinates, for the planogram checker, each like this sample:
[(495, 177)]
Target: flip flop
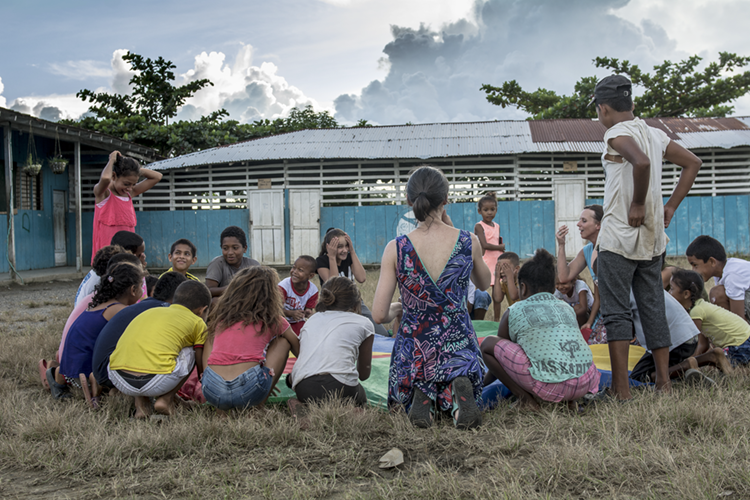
[(420, 413), (43, 373), (469, 415), (58, 391)]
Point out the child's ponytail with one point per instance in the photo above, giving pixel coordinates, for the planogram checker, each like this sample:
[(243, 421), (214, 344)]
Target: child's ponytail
[(118, 278), (339, 294), (125, 165), (690, 281)]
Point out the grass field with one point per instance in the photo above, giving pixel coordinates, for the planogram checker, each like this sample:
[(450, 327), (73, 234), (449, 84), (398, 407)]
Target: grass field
[(690, 444)]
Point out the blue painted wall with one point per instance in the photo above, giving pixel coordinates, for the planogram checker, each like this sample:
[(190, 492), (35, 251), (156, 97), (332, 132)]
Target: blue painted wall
[(726, 218), (524, 225)]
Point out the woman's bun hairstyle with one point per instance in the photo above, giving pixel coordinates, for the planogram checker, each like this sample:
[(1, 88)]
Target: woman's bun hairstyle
[(427, 189), (339, 294), (539, 273)]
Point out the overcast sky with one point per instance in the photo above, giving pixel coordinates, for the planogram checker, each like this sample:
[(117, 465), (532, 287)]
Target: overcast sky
[(387, 61)]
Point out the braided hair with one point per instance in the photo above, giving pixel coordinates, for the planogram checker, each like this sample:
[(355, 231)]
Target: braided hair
[(115, 282), (690, 281)]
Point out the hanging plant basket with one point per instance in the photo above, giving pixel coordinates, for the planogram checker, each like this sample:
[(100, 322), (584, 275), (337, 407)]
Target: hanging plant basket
[(32, 166), (58, 164)]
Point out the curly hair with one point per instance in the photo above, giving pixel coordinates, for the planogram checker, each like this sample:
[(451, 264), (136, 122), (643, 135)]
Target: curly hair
[(539, 273), (125, 166), (101, 259), (339, 294), (115, 282), (252, 296), (234, 232)]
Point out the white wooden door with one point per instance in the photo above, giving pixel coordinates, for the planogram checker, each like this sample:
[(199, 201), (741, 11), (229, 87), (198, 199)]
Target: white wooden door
[(304, 222), (266, 207), (58, 221), (570, 197)]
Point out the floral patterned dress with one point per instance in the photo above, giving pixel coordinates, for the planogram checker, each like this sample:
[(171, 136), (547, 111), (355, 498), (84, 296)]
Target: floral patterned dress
[(436, 342)]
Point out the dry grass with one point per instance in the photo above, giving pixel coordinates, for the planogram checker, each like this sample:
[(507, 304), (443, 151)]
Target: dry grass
[(691, 444)]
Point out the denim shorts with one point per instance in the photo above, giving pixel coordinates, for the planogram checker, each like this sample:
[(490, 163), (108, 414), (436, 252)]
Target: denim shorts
[(482, 300), (248, 389), (739, 354)]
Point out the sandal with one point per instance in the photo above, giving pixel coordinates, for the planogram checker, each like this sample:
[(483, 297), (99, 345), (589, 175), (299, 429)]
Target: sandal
[(465, 405), (59, 391), (696, 377), (420, 413)]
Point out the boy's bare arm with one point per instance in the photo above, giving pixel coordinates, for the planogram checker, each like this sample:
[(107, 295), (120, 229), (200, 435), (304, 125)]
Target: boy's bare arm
[(690, 164), (628, 149)]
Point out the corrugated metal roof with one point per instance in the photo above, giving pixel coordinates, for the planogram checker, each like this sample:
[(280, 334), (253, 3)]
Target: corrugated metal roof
[(456, 139)]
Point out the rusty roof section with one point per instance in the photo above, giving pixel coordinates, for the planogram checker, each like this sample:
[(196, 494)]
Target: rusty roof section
[(583, 130)]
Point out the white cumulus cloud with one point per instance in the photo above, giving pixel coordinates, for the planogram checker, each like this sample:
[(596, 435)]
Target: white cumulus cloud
[(2, 99)]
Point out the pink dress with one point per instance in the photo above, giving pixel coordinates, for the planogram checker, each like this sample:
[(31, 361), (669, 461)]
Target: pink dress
[(113, 214), (491, 236)]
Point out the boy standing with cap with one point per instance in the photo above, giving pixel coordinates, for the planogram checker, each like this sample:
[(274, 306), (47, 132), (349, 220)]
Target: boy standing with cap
[(632, 241)]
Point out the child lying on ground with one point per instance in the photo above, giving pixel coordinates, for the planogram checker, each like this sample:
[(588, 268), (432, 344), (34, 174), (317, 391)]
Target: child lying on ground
[(120, 287), (112, 331), (248, 341), (298, 293), (335, 347), (576, 293), (159, 348), (723, 328), (539, 351), (687, 345)]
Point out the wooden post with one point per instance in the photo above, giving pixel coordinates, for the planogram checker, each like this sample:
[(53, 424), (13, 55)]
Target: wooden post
[(9, 196), (79, 229)]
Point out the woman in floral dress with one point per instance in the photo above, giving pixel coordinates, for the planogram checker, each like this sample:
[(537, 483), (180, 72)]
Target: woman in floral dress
[(436, 361)]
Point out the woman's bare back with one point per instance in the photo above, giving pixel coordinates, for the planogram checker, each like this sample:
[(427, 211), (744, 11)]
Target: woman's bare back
[(434, 246)]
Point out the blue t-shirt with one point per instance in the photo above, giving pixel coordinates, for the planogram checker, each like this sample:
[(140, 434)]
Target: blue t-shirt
[(111, 333), (547, 331)]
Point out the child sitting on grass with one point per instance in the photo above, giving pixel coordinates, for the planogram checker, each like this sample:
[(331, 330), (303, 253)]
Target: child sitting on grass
[(335, 347), (232, 259), (723, 328), (732, 291), (98, 269), (299, 294), (120, 287), (488, 232), (159, 348), (107, 341), (539, 351), (577, 294), (507, 268), (248, 341), (182, 255)]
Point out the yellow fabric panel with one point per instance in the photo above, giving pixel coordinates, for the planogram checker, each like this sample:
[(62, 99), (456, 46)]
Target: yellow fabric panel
[(601, 356)]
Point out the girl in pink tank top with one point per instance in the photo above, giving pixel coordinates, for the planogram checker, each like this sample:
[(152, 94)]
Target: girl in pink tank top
[(488, 232), (114, 194)]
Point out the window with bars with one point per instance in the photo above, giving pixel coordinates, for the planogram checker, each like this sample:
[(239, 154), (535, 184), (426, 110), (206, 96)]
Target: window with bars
[(28, 193)]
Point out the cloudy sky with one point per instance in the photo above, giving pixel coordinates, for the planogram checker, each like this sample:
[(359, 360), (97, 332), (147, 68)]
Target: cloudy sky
[(386, 61)]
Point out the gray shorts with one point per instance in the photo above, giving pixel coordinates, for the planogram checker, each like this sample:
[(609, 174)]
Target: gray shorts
[(160, 383)]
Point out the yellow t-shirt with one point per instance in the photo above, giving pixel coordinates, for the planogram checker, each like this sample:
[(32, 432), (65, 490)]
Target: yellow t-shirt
[(152, 341), (722, 327), (187, 275)]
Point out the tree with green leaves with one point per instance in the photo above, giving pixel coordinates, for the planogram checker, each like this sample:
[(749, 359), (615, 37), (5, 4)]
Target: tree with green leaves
[(144, 115), (673, 89)]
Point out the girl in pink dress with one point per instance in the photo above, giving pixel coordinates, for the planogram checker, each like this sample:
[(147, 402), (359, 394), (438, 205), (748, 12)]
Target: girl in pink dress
[(488, 232), (114, 194)]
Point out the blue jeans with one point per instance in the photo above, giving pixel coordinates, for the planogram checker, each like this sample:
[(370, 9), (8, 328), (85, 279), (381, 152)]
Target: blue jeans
[(739, 354), (248, 389)]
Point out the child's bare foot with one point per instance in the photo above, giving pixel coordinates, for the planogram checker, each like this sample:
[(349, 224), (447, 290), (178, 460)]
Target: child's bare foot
[(142, 408), (164, 405), (664, 387), (721, 361)]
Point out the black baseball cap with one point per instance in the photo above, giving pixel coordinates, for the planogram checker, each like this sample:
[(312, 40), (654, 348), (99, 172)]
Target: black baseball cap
[(611, 87)]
